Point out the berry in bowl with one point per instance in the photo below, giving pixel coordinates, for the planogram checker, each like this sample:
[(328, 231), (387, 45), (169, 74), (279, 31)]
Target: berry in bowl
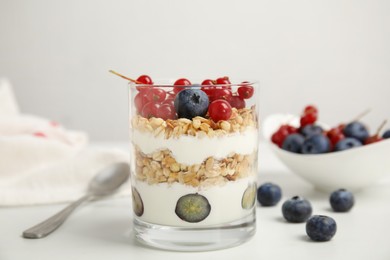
[(345, 156)]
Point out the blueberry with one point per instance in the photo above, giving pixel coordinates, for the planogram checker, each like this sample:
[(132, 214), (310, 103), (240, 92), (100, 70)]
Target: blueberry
[(138, 205), (310, 130), (316, 144), (293, 143), (296, 209), (269, 194), (190, 103), (249, 197), (341, 200), (321, 228), (386, 134), (347, 143), (356, 130), (192, 208)]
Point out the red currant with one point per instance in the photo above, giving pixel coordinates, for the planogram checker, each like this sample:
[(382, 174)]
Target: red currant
[(291, 129), (245, 92), (150, 110), (208, 82), (334, 139), (169, 101), (144, 79), (223, 81), (373, 139), (207, 86), (335, 135), (166, 111), (341, 127), (220, 110), (171, 94), (180, 83), (308, 119), (220, 93), (156, 95), (139, 101), (376, 138), (279, 136), (333, 131), (237, 102), (310, 109)]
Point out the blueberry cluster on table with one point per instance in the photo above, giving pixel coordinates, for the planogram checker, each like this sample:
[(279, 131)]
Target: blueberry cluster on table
[(299, 210)]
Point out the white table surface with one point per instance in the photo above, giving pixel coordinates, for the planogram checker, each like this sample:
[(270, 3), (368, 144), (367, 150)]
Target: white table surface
[(103, 229)]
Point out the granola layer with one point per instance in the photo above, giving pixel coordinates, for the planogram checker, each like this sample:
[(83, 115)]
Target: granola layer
[(241, 120), (161, 167)]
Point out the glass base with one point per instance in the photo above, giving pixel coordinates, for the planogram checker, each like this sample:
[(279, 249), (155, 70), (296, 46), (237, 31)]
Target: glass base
[(196, 239)]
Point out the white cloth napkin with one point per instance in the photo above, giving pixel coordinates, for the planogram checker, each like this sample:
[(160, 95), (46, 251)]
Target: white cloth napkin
[(41, 162)]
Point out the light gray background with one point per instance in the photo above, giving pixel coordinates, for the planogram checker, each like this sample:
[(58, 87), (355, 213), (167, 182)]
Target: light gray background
[(332, 53)]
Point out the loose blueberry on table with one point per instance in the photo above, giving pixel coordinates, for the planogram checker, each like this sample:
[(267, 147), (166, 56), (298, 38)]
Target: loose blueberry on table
[(296, 209), (269, 194), (321, 228), (341, 200)]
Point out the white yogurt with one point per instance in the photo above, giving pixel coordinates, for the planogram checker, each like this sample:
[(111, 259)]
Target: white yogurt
[(160, 201), (193, 149)]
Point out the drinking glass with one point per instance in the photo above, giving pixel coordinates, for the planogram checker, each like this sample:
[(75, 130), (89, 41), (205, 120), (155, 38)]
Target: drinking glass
[(194, 152)]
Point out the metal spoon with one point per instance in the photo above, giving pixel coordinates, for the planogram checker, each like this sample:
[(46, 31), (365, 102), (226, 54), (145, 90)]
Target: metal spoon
[(104, 183)]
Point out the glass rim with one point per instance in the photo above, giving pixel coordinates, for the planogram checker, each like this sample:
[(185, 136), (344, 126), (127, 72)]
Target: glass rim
[(252, 83)]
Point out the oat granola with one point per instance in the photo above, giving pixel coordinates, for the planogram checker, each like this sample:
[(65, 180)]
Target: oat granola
[(240, 120), (160, 167)]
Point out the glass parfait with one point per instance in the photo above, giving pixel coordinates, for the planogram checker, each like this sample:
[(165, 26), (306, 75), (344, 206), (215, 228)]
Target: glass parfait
[(194, 163)]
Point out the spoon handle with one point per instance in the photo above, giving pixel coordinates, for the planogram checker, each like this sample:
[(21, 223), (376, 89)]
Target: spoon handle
[(49, 225)]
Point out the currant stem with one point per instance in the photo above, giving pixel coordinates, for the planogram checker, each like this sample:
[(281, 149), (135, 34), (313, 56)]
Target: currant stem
[(364, 113), (124, 77), (381, 127)]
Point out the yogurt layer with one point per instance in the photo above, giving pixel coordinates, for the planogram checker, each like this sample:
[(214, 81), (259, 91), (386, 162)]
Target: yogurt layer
[(191, 150), (160, 202)]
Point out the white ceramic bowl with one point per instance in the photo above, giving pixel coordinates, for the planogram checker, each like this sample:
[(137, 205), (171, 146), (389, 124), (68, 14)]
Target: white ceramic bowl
[(352, 169)]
